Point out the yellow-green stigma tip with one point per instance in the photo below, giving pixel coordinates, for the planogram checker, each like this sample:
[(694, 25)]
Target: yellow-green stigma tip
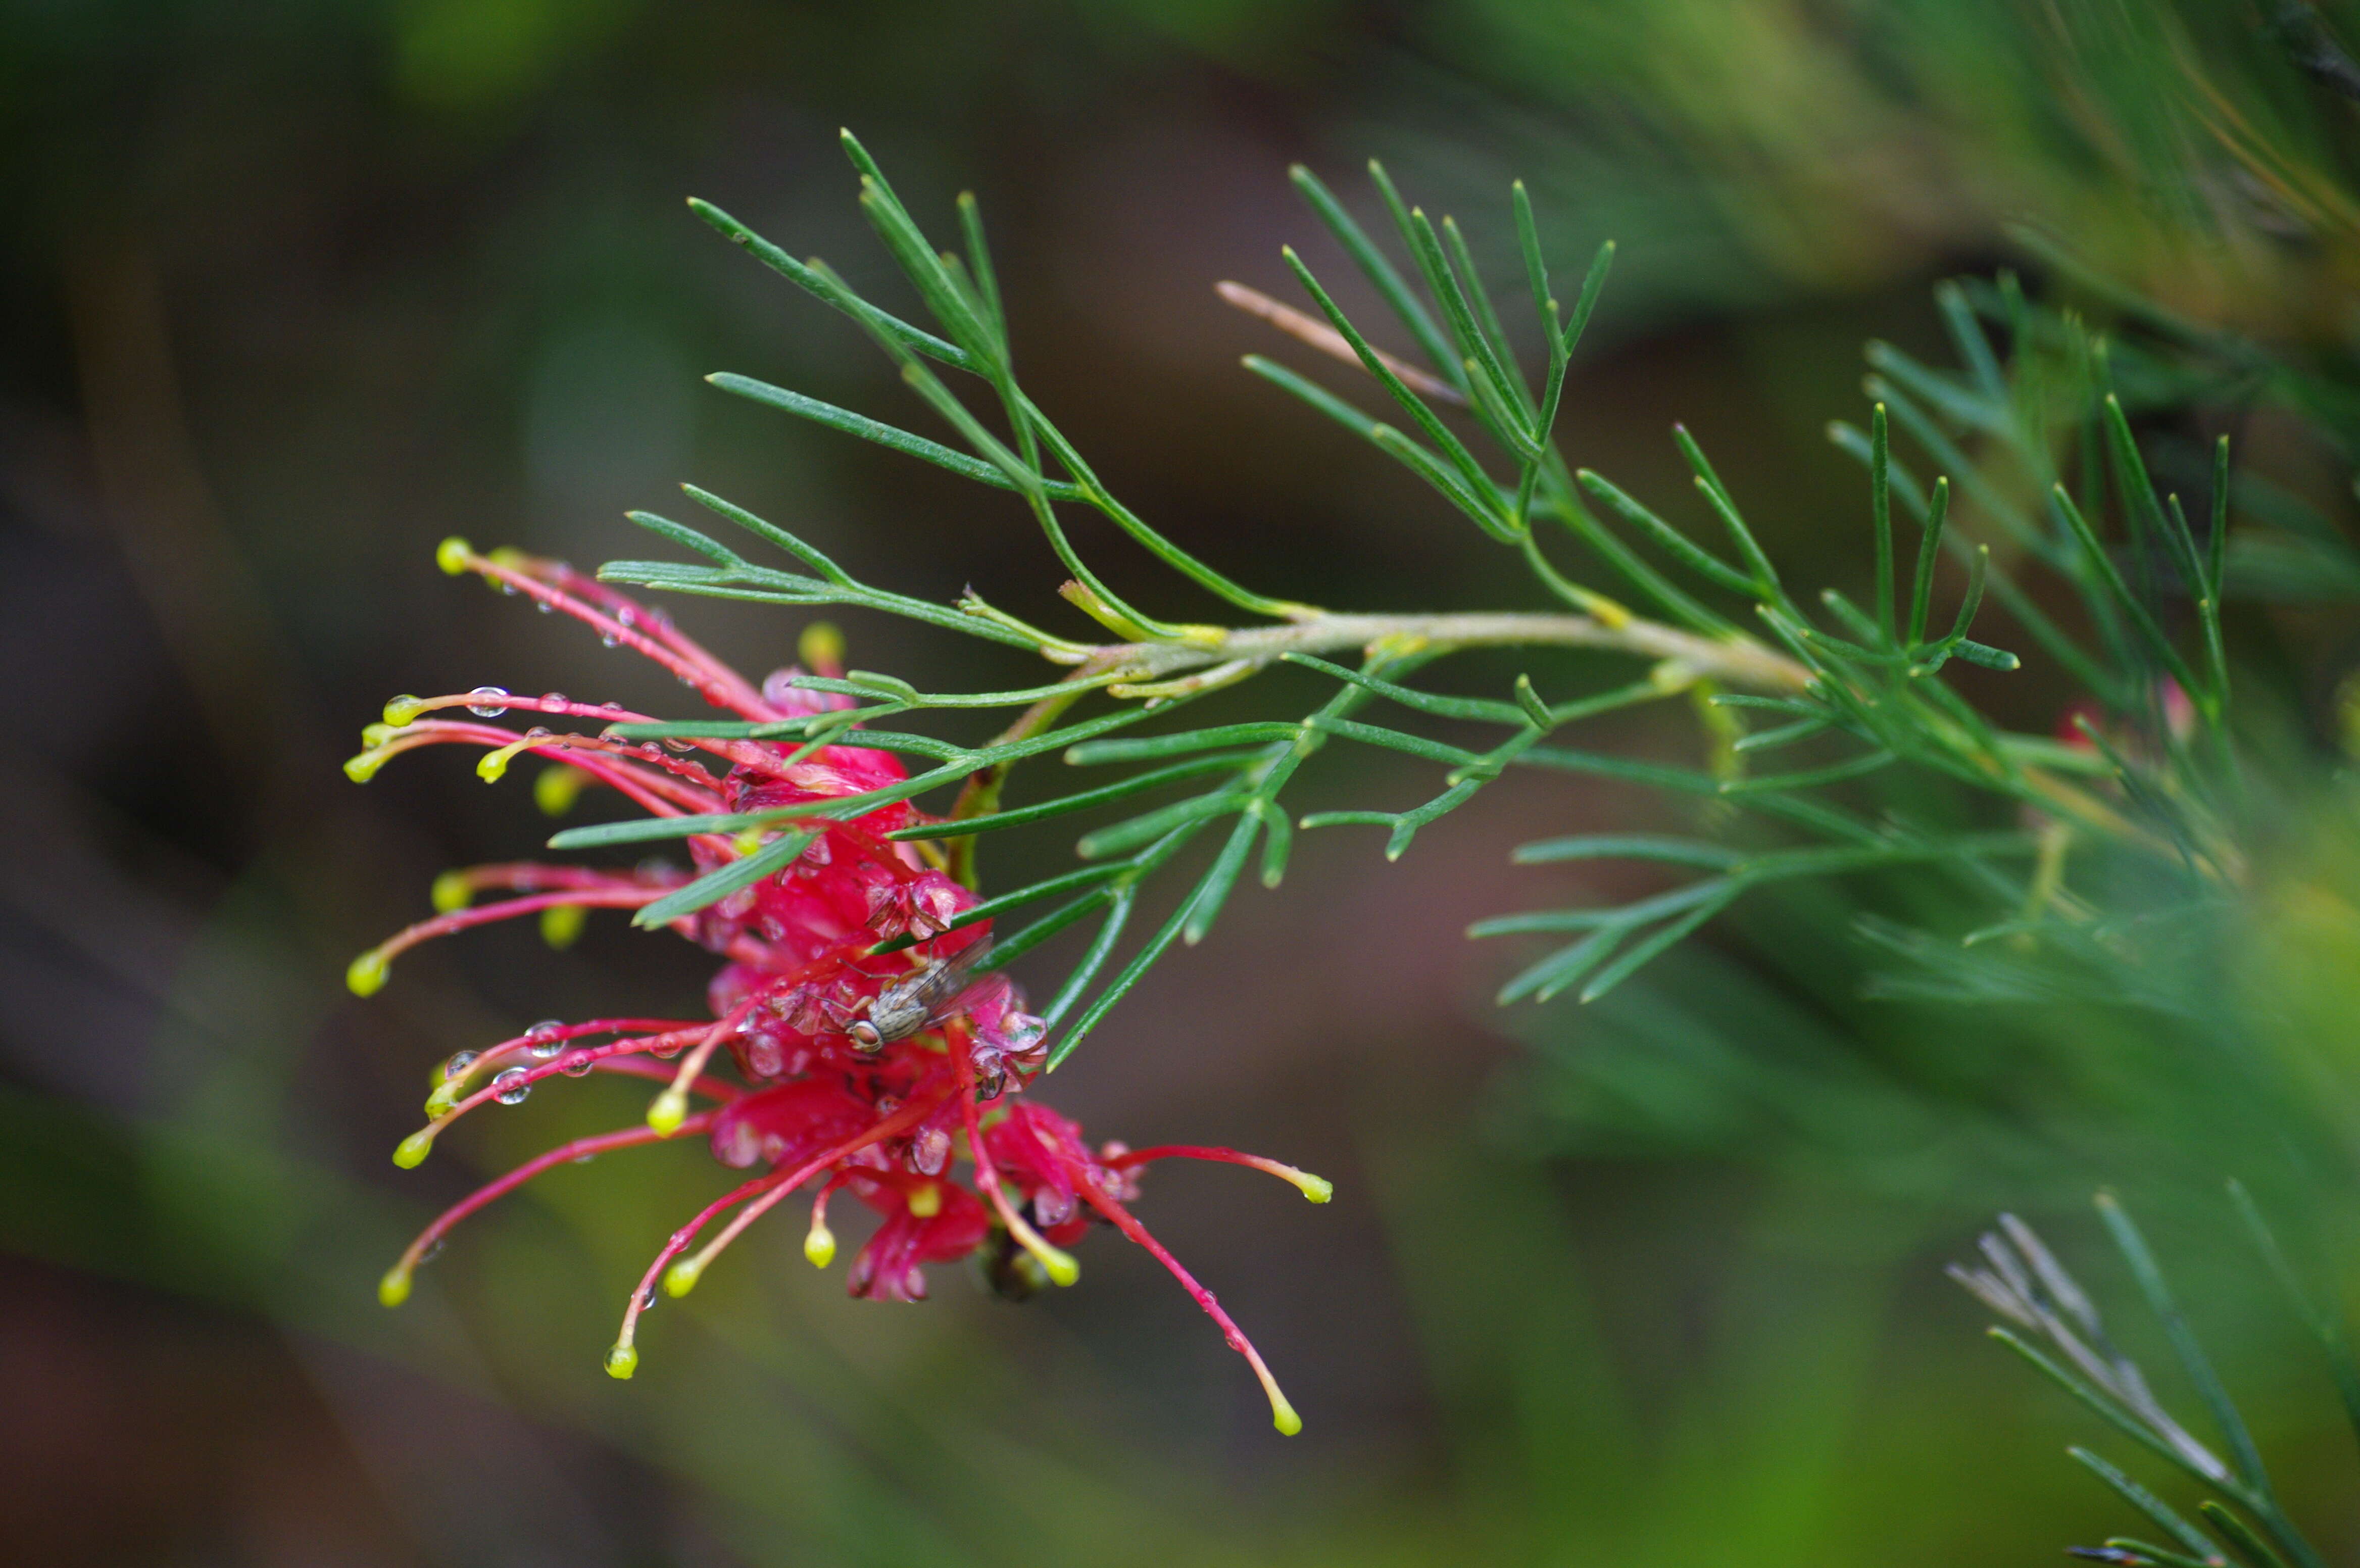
[(556, 788), (1060, 1266), (682, 1277), (451, 554), (1282, 1416), (411, 1151), (362, 766), (403, 709), (445, 1096), (623, 1359), (508, 556), (821, 646), (452, 891), (561, 924), (364, 976), (1318, 1188), (394, 1288), (492, 765), (926, 1202), (667, 1111), (376, 735), (820, 1246)]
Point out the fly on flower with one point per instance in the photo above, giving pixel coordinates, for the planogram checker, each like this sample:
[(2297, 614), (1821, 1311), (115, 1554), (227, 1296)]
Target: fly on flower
[(935, 994), (819, 1068)]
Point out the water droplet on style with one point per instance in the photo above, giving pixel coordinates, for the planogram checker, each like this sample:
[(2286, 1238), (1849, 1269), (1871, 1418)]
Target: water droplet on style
[(546, 1038), (511, 1087), (433, 1250), (576, 1063), (491, 710), (553, 699), (458, 1065), (611, 641)]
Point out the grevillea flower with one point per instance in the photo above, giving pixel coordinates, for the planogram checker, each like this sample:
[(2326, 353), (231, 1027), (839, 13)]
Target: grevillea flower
[(784, 1080)]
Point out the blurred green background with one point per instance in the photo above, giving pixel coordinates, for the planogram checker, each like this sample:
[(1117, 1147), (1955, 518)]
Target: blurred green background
[(292, 289)]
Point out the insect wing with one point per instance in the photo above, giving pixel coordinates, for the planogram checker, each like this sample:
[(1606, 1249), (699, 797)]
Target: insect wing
[(928, 997)]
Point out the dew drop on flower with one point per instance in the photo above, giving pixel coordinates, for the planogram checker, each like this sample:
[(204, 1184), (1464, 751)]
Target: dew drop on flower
[(511, 1087), (929, 1152), (458, 1065), (544, 1037), (626, 617), (491, 710), (545, 608), (433, 1250), (552, 700), (611, 641), (576, 1063)]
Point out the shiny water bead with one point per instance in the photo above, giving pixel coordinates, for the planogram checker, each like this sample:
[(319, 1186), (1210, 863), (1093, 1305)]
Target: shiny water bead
[(576, 1063), (546, 1039), (487, 710), (511, 1087), (552, 702), (458, 1065)]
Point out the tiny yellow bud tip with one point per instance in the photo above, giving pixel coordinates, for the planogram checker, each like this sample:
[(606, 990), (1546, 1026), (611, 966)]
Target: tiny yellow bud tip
[(622, 1361), (450, 892), (668, 1110), (1282, 1416), (1060, 1266), (560, 925), (557, 788), (402, 710), (362, 768), (451, 554), (820, 1246), (821, 646), (394, 1288), (1318, 1188), (680, 1278), (411, 1151), (364, 976)]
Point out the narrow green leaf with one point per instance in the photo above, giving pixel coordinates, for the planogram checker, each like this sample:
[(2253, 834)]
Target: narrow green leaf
[(1627, 847), (2183, 1339), (1716, 495), (1592, 286), (2147, 1502), (1657, 942), (1379, 272), (1101, 947), (1137, 831), (883, 434), (1063, 806), (1880, 500), (1921, 596), (2249, 1546), (1435, 431), (1141, 749), (1476, 707), (1214, 891), (2324, 1326), (1815, 778), (1564, 966), (804, 276), (721, 881), (1673, 541)]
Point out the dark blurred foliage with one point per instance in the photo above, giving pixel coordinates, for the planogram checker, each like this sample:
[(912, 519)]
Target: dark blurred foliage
[(291, 290)]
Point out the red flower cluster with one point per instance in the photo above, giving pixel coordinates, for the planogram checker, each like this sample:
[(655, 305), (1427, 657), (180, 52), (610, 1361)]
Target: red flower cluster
[(822, 1095)]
